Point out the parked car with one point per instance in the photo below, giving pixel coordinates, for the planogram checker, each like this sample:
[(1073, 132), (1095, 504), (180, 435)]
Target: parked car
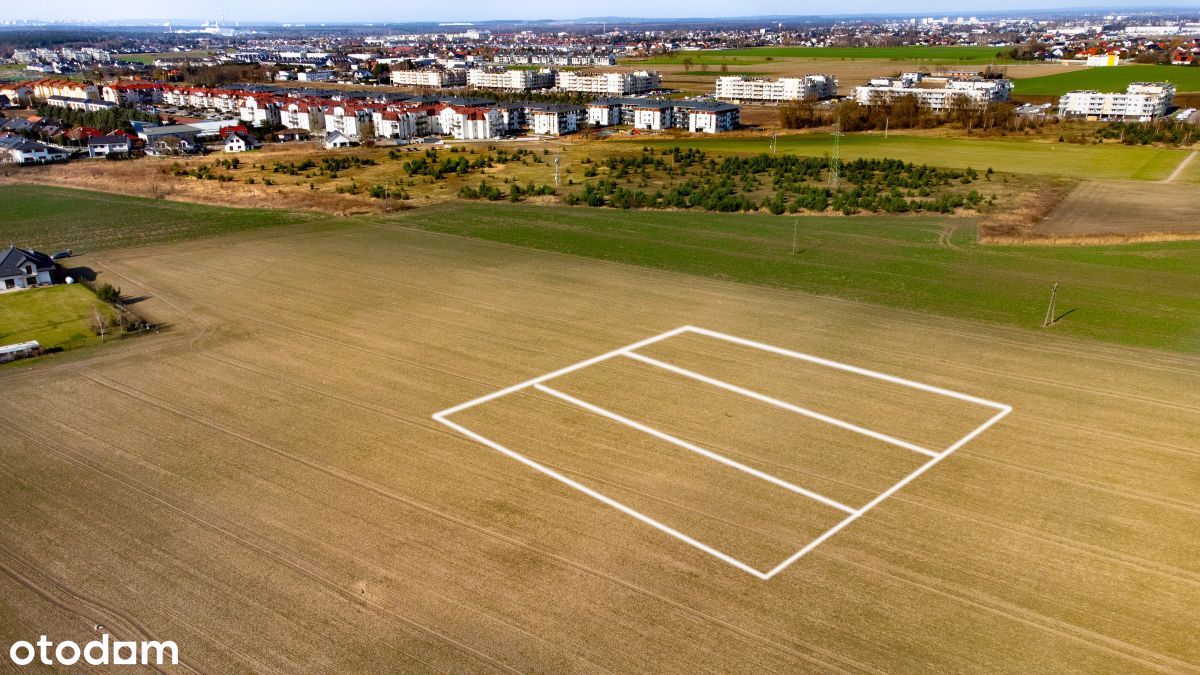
[(60, 255)]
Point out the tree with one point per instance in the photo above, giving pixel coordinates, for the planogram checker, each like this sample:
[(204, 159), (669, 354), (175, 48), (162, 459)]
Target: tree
[(687, 64)]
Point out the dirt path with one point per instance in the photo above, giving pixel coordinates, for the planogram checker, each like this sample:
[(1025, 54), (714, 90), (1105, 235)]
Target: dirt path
[(1181, 168)]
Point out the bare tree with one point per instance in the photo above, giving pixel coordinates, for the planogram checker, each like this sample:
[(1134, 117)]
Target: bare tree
[(99, 325)]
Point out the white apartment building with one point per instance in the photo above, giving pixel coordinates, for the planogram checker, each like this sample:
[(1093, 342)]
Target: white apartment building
[(258, 111), (350, 121), (132, 93), (736, 88), (397, 124), (556, 120), (299, 115), (610, 84), (1142, 101), (933, 93), (517, 80), (654, 116), (433, 77), (470, 124)]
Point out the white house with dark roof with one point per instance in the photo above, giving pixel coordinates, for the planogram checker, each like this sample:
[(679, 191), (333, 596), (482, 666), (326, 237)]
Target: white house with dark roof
[(21, 268), (103, 146)]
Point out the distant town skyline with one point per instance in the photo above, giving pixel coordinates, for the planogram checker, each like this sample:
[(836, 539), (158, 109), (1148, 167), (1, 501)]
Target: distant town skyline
[(379, 11)]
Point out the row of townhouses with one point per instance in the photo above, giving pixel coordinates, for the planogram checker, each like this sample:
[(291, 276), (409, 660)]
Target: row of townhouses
[(1142, 101), (934, 93), (810, 87), (604, 84)]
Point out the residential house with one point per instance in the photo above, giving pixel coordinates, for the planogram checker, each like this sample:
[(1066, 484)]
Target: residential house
[(25, 268), (241, 141), (336, 139), (20, 150), (103, 146)]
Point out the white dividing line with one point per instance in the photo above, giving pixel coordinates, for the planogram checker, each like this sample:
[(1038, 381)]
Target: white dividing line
[(629, 351), (889, 492), (560, 372), (842, 366), (607, 500), (780, 404), (694, 448)]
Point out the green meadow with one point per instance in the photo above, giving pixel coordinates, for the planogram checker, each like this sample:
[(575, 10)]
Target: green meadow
[(1134, 294), (1013, 155), (1113, 78)]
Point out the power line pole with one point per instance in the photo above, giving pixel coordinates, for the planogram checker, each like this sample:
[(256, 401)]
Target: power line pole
[(795, 234), (1049, 320), (556, 158), (835, 161), (774, 138)]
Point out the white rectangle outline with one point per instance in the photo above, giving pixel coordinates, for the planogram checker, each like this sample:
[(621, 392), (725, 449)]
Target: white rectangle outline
[(629, 351)]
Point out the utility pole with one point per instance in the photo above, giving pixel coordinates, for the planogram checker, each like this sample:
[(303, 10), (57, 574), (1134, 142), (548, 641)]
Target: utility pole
[(1049, 320), (774, 137), (835, 161), (887, 122), (556, 158), (795, 234)]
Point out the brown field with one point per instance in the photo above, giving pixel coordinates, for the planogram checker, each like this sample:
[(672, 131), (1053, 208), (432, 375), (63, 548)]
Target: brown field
[(264, 485), (1122, 208)]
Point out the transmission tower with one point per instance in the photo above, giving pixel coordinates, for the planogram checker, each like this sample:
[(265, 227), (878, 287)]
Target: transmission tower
[(835, 160)]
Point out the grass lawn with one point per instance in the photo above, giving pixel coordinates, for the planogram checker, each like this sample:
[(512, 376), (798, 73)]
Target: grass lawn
[(50, 219), (755, 55), (1139, 294), (1114, 78), (57, 316), (1112, 161)]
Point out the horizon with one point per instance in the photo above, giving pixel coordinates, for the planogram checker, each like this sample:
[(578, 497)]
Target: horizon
[(372, 12)]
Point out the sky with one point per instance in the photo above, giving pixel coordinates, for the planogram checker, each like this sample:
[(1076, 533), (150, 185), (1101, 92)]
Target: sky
[(308, 11)]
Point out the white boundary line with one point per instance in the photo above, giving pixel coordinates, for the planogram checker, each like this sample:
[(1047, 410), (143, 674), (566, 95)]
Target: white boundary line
[(780, 404), (694, 448), (628, 351)]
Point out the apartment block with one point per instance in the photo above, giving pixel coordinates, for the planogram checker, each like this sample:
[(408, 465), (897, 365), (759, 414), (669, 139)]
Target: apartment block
[(512, 80), (934, 93), (610, 84), (435, 78), (1142, 101), (736, 88)]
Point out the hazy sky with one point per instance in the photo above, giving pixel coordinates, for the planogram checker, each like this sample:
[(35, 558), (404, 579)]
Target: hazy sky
[(407, 10)]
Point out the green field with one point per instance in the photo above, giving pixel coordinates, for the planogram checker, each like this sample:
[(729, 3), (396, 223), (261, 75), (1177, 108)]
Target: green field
[(1135, 294), (51, 219), (1114, 78), (1112, 161), (150, 58), (1139, 294), (754, 55), (58, 316)]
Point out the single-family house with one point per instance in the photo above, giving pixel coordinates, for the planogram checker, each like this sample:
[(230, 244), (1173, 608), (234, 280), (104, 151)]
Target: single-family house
[(25, 268), (239, 141), (336, 139), (103, 146), (20, 150)]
